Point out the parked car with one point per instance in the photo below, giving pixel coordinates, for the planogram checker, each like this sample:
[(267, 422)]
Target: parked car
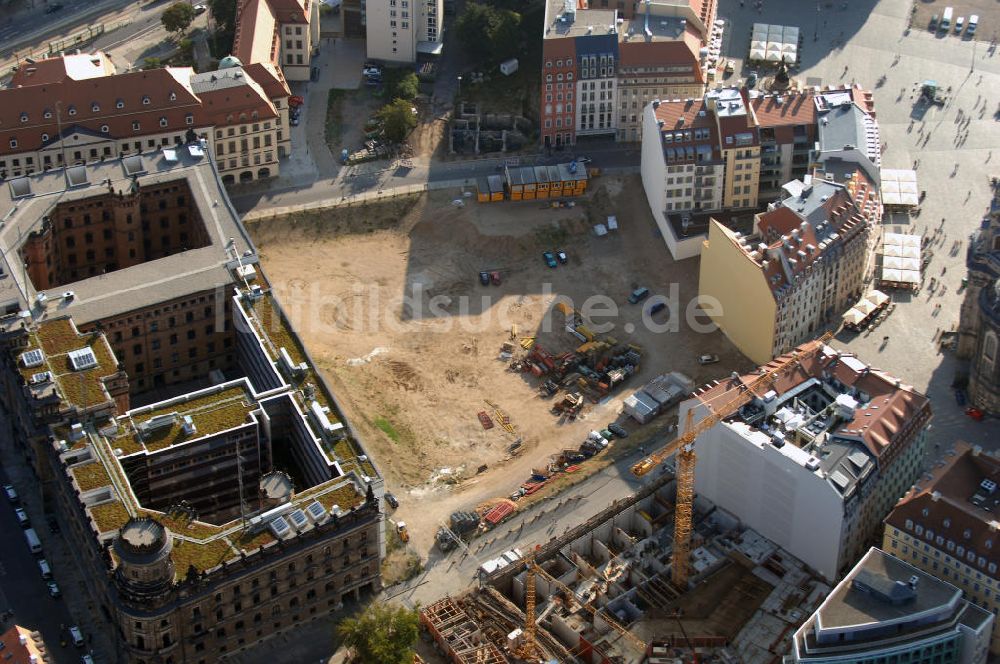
[(200, 9), (550, 259), (561, 255), (43, 567), (708, 359), (294, 121), (618, 430), (484, 278), (76, 635), (932, 26), (87, 659), (959, 25), (11, 493), (296, 100), (752, 80), (657, 308), (495, 278), (607, 434), (391, 499), (973, 24), (54, 590), (638, 295), (22, 518)]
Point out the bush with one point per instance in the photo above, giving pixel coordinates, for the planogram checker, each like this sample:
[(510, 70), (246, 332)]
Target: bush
[(398, 119)]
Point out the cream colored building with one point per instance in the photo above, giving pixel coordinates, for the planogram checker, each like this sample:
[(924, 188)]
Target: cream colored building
[(399, 30), (947, 526), (815, 464), (802, 266), (284, 33), (76, 109)]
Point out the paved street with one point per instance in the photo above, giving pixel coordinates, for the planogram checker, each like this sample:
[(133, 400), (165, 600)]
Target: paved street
[(22, 588)]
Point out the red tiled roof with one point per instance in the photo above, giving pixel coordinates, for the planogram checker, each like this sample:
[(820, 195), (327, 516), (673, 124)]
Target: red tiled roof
[(290, 11), (256, 38), (795, 109), (236, 102), (942, 507), (890, 409), (269, 78), (146, 97)]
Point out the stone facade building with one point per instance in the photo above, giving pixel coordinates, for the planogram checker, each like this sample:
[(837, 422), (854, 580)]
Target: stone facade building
[(979, 325), (210, 518)]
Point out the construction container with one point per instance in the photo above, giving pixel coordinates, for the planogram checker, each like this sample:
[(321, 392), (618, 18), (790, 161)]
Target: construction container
[(585, 331), (641, 407), (482, 190), (528, 182), (541, 181), (496, 187), (515, 183)]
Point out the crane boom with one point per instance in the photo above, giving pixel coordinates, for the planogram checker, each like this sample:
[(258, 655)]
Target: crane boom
[(528, 650), (683, 446)]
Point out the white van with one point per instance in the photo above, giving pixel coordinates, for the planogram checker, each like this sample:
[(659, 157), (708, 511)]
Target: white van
[(43, 565), (34, 543), (946, 18)]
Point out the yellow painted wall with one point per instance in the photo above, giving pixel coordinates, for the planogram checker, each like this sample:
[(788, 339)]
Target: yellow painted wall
[(748, 309)]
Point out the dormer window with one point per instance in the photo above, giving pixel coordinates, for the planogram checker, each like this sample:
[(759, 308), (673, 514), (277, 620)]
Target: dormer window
[(104, 129), (95, 107), (145, 101), (120, 103), (72, 110), (189, 119), (47, 114), (45, 138), (24, 117), (13, 142), (173, 96), (163, 121), (135, 126)]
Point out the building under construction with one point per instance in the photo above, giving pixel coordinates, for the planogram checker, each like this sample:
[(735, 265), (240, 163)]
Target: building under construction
[(602, 593)]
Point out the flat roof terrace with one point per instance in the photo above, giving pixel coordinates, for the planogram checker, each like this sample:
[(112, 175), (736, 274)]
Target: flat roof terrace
[(157, 427), (31, 198)]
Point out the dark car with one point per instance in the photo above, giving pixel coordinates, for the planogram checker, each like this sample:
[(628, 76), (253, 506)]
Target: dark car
[(52, 9), (391, 499), (618, 430), (960, 397), (657, 308), (638, 295), (561, 255), (752, 80), (484, 278), (550, 259)]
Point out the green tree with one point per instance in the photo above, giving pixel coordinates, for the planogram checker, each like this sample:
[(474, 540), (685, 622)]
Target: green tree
[(398, 119), (488, 34), (382, 633), (152, 63), (407, 87), (177, 17), (224, 14)]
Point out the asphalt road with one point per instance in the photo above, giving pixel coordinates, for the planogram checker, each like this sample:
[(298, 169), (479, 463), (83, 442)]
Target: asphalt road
[(24, 590), (31, 26)]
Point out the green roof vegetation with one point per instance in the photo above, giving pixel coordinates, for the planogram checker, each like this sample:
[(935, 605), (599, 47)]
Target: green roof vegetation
[(90, 476), (345, 496), (211, 414), (180, 525), (276, 328), (250, 543), (203, 555), (56, 338), (109, 516)]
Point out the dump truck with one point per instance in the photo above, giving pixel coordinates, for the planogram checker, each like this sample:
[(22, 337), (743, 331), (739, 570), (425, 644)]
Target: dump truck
[(571, 404)]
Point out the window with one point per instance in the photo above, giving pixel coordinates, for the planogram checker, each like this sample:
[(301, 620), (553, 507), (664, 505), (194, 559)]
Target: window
[(163, 121), (189, 119), (45, 138), (135, 126), (105, 129), (145, 101), (72, 110), (13, 142)]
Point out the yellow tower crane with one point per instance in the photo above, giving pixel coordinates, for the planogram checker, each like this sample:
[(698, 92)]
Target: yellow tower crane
[(528, 650), (683, 445)]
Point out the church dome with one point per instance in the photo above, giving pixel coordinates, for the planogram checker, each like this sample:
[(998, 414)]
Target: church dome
[(229, 61)]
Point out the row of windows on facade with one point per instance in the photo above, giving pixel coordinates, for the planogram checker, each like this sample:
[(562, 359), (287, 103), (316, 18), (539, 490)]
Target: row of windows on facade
[(231, 131), (220, 147), (294, 60), (175, 358), (949, 544), (298, 29), (956, 560), (298, 44), (136, 126), (155, 313), (119, 337), (94, 107), (605, 60)]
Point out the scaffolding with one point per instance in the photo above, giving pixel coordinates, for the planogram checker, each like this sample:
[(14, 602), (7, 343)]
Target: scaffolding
[(460, 637)]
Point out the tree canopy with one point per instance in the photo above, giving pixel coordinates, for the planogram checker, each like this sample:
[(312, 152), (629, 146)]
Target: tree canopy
[(489, 34), (382, 633), (177, 17), (224, 14), (398, 119)]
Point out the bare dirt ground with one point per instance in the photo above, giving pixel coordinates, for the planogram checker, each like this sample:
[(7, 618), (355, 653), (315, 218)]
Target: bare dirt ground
[(983, 8), (413, 375)]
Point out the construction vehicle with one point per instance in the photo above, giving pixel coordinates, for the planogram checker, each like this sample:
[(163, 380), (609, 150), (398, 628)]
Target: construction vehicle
[(732, 400), (404, 534), (930, 93), (570, 405)]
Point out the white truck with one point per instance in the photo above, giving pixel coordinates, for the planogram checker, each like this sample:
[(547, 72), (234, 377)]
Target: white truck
[(946, 19), (34, 543)]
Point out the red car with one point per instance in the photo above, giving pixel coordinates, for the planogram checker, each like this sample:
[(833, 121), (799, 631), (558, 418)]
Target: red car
[(295, 100), (974, 413), (495, 278)]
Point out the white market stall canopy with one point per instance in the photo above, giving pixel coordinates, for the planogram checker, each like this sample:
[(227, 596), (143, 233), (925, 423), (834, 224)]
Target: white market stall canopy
[(899, 187), (853, 317), (877, 297), (774, 43), (900, 259)]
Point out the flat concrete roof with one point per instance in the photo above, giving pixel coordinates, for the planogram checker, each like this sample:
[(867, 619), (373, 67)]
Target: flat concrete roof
[(31, 198), (848, 606)]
